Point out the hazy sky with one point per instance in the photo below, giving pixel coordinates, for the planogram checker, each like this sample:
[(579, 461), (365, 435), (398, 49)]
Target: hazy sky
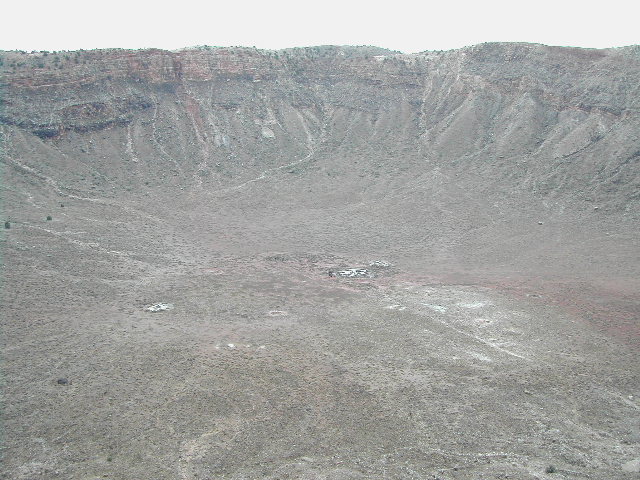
[(399, 25)]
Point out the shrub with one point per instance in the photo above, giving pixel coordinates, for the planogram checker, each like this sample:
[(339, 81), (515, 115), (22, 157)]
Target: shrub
[(550, 469), (49, 218), (7, 225)]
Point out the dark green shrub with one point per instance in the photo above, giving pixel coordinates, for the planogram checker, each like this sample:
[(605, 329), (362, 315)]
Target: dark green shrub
[(7, 225), (49, 218)]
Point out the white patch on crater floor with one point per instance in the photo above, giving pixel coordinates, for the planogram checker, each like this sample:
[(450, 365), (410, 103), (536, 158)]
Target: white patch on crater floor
[(379, 263), (159, 307), (472, 304), (354, 273), (480, 357), (437, 308), (396, 307), (233, 346)]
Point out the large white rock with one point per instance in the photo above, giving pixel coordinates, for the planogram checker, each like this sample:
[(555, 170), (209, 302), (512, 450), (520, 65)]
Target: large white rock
[(268, 133)]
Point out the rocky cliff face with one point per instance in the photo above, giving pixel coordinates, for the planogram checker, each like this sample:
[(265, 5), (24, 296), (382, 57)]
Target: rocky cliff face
[(547, 117)]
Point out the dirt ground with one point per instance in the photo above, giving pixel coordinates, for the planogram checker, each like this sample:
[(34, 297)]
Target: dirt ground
[(266, 366)]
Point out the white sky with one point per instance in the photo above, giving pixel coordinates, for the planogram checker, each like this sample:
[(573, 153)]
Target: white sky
[(398, 25)]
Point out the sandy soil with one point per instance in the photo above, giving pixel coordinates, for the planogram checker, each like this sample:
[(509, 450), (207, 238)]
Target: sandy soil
[(268, 367)]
